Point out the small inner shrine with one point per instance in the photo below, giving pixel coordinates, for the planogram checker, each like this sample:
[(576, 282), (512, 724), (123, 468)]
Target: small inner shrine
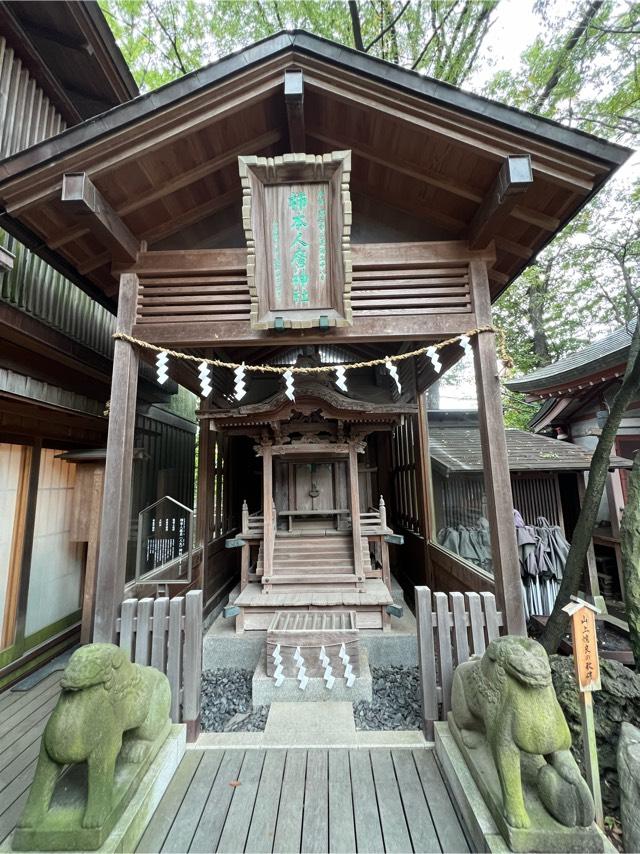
[(319, 539)]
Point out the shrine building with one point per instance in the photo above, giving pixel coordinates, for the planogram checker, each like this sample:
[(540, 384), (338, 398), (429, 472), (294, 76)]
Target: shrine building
[(306, 238)]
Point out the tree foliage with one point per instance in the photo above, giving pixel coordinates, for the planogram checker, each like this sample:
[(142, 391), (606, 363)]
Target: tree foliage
[(163, 39)]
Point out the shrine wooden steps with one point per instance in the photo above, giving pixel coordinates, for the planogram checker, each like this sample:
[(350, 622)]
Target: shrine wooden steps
[(314, 560)]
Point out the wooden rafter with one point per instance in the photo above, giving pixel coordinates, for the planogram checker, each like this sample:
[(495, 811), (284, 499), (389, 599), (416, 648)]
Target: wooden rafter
[(256, 145), (513, 180), (82, 195), (294, 99)]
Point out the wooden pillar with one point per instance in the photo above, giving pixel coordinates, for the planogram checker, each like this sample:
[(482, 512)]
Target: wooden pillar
[(111, 574), (267, 512), (205, 490), (354, 509), (17, 594), (497, 481), (425, 485)]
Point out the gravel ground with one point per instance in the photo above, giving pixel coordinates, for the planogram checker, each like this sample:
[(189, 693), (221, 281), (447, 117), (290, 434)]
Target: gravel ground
[(226, 702), (396, 700)]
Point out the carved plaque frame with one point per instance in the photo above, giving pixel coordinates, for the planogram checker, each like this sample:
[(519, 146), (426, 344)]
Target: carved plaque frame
[(296, 215)]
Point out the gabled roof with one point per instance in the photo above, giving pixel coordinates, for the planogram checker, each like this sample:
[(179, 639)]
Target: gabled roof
[(595, 359), (70, 50), (456, 449), (421, 149)]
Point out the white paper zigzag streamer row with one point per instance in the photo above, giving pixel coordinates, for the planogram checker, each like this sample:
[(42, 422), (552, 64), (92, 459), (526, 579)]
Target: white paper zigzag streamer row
[(394, 373), (301, 676), (204, 372), (239, 383), (432, 353), (277, 660), (341, 379), (465, 343), (162, 360), (349, 675), (289, 390), (328, 670)]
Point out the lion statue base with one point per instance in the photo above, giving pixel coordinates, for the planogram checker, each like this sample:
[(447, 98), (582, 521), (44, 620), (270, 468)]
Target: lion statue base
[(110, 720), (513, 735)]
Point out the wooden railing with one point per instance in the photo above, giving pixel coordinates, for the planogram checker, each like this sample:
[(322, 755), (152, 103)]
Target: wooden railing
[(450, 629), (167, 634)]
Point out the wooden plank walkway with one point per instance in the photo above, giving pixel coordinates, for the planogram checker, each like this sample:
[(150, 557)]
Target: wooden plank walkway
[(320, 800), (333, 800), (23, 715)]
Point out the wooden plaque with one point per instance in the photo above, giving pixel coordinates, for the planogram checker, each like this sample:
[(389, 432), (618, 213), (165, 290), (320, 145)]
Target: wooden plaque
[(297, 219), (585, 649)]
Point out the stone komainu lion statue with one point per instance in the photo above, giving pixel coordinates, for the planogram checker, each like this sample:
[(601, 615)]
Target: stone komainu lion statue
[(509, 696), (108, 706)]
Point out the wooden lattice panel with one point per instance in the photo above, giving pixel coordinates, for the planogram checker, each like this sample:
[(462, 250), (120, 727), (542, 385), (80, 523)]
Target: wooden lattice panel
[(310, 631)]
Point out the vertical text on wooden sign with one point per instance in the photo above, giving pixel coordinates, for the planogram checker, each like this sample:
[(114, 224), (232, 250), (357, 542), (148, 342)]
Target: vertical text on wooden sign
[(297, 245), (585, 648)]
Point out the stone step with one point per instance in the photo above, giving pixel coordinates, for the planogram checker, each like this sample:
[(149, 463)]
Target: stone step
[(317, 578)]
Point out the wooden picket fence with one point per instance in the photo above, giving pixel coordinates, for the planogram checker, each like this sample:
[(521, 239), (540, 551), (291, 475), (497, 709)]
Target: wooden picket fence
[(450, 629), (167, 634)]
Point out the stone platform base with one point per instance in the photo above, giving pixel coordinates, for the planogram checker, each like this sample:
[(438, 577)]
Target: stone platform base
[(139, 808), (222, 647), (473, 783), (264, 690)]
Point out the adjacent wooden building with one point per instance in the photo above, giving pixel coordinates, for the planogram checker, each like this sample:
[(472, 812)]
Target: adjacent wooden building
[(59, 65), (301, 205)]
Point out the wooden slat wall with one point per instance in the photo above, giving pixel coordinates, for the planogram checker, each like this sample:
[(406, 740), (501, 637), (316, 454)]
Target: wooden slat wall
[(450, 629), (167, 634), (460, 499), (421, 286), (26, 114), (404, 446)]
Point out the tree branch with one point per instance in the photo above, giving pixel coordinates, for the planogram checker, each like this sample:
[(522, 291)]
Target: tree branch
[(355, 25), (389, 26)]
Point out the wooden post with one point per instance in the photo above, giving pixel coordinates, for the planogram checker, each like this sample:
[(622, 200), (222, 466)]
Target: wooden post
[(592, 569), (267, 512), (15, 615), (91, 562), (354, 509), (504, 550), (587, 668), (425, 485), (111, 574), (205, 490)]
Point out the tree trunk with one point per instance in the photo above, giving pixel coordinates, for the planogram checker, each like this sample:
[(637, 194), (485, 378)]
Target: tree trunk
[(355, 25), (630, 545), (576, 559), (537, 293)]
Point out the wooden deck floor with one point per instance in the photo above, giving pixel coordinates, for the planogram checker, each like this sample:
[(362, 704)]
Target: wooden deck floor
[(335, 800), (23, 715)]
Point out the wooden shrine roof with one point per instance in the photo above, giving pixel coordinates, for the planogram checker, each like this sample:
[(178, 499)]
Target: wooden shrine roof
[(597, 362), (425, 158), (70, 49), (456, 449), (311, 396)]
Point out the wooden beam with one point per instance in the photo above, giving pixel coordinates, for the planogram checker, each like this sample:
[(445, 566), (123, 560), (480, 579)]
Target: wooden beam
[(80, 193), (497, 479), (205, 492), (294, 99), (354, 509), (269, 522), (112, 561), (513, 179), (256, 145)]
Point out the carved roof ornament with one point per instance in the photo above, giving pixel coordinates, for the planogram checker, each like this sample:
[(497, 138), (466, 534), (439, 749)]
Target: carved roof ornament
[(296, 215)]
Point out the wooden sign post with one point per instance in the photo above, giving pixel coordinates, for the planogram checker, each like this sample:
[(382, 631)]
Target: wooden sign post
[(587, 667)]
